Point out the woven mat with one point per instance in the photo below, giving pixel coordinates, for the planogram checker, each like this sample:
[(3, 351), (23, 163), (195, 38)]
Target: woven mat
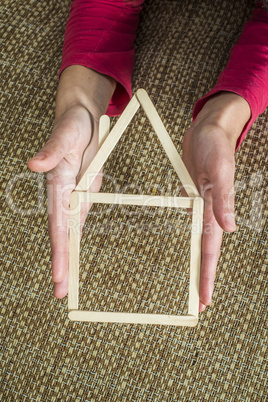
[(130, 261)]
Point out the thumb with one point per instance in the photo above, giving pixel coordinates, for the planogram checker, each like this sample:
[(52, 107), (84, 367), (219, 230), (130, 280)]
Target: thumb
[(62, 139), (222, 180)]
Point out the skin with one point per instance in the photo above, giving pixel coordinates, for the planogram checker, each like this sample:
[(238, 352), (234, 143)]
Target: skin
[(208, 152), (83, 96)]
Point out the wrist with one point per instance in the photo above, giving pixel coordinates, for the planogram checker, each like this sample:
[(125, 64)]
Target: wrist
[(228, 111), (80, 85)]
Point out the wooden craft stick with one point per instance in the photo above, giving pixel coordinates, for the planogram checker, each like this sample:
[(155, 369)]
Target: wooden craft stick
[(167, 143), (195, 259), (74, 249), (104, 129), (132, 318), (137, 199), (108, 145)]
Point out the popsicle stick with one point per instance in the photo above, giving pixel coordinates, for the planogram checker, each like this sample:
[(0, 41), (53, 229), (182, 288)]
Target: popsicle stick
[(107, 142), (137, 199), (195, 259), (108, 145), (167, 143), (104, 129), (132, 318), (74, 249)]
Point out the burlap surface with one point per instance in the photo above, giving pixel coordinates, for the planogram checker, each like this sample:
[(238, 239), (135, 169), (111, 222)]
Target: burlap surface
[(130, 261)]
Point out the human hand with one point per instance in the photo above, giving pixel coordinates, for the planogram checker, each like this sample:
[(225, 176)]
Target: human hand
[(208, 153), (83, 96)]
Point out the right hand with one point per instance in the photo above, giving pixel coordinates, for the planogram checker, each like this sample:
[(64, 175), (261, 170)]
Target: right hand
[(67, 154)]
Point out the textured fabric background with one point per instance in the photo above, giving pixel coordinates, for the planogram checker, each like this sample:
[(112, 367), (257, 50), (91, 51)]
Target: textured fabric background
[(130, 261)]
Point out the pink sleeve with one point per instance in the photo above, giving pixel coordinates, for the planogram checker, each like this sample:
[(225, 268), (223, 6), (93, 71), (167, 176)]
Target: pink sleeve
[(99, 35), (247, 70)]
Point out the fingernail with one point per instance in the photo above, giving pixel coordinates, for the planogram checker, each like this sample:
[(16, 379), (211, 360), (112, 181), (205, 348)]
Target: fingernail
[(230, 221), (40, 156)]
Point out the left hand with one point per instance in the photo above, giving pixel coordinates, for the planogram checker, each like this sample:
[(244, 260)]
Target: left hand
[(208, 153)]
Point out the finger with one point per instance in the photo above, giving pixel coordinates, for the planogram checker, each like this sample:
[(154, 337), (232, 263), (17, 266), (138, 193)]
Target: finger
[(52, 153), (202, 307), (222, 180), (59, 191), (211, 243), (104, 128), (60, 250), (61, 288), (64, 137), (84, 212)]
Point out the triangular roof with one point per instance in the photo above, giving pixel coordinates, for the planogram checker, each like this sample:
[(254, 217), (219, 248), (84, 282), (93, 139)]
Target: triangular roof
[(142, 99)]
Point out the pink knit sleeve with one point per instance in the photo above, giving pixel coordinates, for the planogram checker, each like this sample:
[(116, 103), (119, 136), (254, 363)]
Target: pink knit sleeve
[(246, 73), (99, 35)]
